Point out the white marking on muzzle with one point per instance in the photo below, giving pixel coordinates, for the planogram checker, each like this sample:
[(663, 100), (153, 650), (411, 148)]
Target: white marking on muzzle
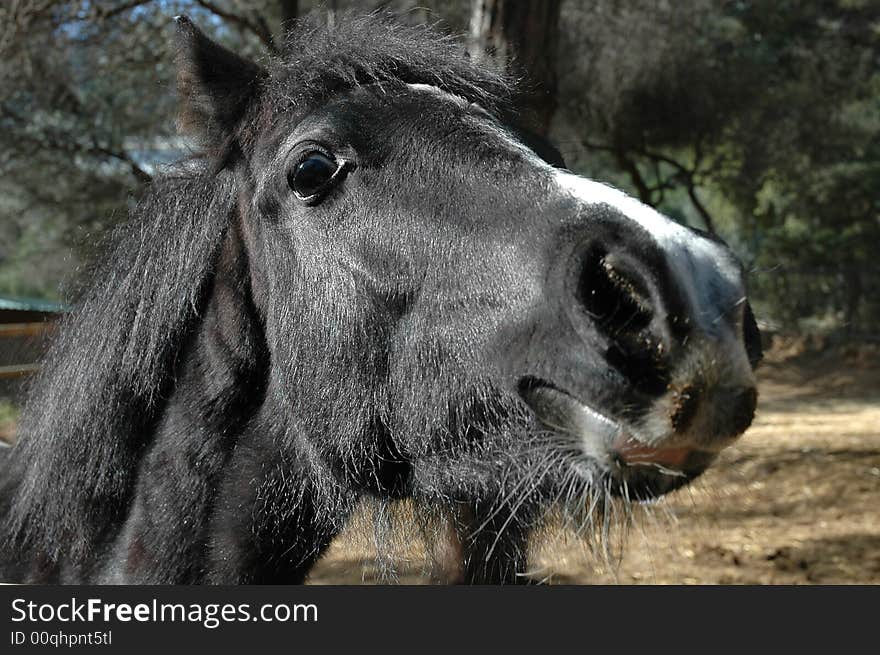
[(700, 265), (706, 273)]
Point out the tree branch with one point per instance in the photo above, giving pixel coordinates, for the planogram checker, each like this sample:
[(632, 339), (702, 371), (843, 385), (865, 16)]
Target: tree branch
[(628, 166), (646, 193), (701, 209), (142, 176), (104, 14), (632, 169), (71, 146), (688, 175), (258, 27)]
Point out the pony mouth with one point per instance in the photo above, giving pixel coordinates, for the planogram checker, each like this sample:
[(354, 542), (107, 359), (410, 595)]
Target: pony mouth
[(604, 439)]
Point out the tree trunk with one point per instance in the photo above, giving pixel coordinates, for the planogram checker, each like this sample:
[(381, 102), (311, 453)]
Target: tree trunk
[(853, 297), (522, 37), (289, 13)]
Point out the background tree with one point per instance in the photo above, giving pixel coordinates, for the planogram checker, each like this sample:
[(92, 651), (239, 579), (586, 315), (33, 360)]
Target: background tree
[(521, 36), (755, 119), (758, 120), (87, 113)]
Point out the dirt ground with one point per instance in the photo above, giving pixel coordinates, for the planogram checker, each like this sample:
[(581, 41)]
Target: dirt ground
[(795, 501)]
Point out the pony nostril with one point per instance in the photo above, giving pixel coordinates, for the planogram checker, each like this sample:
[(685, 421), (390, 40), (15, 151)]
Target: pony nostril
[(714, 414), (618, 298), (614, 296), (685, 404), (743, 405)]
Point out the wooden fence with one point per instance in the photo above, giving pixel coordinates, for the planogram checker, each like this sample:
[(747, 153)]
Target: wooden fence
[(21, 345), (22, 342)]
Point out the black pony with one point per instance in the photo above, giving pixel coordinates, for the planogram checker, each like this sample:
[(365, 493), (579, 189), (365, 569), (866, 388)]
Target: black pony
[(374, 286)]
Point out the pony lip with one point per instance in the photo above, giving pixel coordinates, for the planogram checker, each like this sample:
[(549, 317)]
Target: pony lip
[(598, 435), (634, 452), (562, 413)]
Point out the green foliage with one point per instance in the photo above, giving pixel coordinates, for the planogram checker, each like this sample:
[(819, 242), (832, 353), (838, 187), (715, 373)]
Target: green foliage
[(8, 412), (765, 112), (88, 102), (758, 119)]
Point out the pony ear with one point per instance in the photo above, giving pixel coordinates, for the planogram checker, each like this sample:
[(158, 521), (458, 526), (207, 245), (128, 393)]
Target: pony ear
[(215, 87)]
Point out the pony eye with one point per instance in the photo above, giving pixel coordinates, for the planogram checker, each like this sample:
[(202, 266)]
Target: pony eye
[(312, 175)]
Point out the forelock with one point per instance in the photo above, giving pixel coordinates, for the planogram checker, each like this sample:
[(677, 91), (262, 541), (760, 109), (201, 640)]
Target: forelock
[(320, 60)]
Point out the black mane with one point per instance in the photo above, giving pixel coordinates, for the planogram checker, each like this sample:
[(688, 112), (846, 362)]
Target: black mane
[(368, 284), (319, 60), (89, 411), (102, 383)]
